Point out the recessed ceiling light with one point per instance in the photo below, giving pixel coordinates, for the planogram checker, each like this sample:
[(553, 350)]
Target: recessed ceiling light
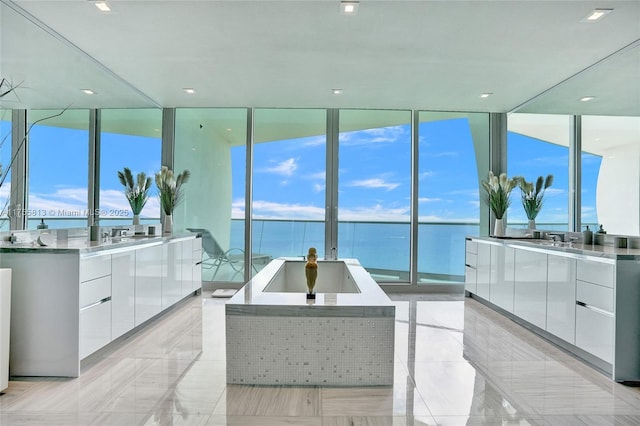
[(349, 7), (189, 90), (587, 98), (88, 91), (486, 95), (337, 91), (102, 6), (596, 15)]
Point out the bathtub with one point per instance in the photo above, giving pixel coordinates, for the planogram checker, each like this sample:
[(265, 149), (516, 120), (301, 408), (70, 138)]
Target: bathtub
[(333, 277), (345, 337)]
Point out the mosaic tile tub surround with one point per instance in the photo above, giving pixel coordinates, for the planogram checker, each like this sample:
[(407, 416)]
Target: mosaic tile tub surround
[(341, 339)]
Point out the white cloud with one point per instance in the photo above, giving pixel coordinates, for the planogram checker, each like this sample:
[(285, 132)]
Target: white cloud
[(390, 134), (285, 168), (272, 210), (446, 154), (376, 213), (318, 187), (426, 174), (374, 183), (428, 200), (315, 141)]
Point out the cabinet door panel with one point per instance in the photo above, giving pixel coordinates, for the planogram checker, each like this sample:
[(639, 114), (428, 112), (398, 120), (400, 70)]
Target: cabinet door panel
[(483, 271), (594, 332), (530, 294), (95, 328), (561, 297), (148, 283), (123, 283), (502, 285)]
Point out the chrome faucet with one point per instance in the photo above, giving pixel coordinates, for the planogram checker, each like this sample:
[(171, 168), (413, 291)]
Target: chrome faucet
[(118, 232)]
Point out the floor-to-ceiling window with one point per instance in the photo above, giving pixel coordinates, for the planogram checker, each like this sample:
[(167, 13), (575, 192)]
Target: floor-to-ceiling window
[(453, 157), (211, 144), (58, 168), (5, 166), (611, 173), (289, 160), (538, 145), (374, 191), (129, 138)]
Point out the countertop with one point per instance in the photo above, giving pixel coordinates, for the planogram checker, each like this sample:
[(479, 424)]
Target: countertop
[(577, 249), (370, 299), (83, 246)]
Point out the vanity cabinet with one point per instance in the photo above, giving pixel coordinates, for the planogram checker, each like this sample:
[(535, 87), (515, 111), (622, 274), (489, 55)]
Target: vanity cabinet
[(196, 264), (502, 277), (470, 265), (67, 303), (123, 292), (148, 287), (95, 303), (584, 300), (483, 271), (561, 297), (530, 287), (171, 273), (5, 321), (595, 316)]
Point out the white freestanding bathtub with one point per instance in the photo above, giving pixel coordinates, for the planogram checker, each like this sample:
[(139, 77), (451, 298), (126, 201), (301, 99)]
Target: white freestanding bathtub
[(345, 337)]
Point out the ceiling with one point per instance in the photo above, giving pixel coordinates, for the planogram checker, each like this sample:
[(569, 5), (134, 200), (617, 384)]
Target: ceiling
[(533, 56)]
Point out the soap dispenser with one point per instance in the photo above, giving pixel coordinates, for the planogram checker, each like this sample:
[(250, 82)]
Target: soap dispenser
[(42, 225), (587, 236)]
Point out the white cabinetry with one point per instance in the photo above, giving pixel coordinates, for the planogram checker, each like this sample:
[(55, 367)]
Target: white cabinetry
[(530, 294), (171, 273), (123, 282), (561, 297), (483, 271), (502, 276), (5, 320), (470, 264), (68, 303), (196, 245), (187, 264), (95, 303), (585, 301), (595, 308), (148, 300)]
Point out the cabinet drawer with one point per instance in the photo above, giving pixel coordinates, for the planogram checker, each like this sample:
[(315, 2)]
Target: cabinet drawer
[(95, 267), (594, 333), (94, 291), (471, 246), (471, 259), (595, 296), (595, 272), (95, 328), (470, 279)]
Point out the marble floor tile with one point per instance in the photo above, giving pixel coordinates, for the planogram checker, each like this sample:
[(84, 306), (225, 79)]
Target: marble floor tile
[(457, 362)]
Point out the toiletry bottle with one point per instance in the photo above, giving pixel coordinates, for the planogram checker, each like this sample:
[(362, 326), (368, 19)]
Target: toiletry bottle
[(42, 225), (601, 230), (587, 236)]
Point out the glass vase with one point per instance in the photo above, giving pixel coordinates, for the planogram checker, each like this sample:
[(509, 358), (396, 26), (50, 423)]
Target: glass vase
[(167, 225), (498, 229)]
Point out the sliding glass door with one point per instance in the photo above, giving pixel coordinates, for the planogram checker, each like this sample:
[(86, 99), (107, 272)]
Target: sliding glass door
[(374, 191)]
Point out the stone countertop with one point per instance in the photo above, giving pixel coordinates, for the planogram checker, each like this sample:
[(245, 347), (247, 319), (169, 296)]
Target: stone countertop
[(83, 246), (574, 249), (252, 295)]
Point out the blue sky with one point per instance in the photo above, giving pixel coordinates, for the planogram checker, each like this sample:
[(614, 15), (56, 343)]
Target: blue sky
[(289, 176)]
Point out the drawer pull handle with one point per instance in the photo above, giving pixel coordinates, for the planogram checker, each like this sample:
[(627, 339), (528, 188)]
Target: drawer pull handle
[(99, 302), (594, 309)]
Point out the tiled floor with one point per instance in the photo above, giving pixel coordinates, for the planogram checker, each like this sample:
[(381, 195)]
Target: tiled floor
[(457, 363)]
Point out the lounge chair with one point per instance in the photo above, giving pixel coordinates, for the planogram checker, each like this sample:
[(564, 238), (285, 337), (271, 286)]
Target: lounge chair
[(213, 256)]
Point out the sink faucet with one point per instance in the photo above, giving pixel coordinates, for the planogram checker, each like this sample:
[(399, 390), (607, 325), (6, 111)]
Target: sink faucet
[(118, 232)]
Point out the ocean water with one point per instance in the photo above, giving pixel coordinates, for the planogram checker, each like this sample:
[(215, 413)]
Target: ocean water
[(441, 247)]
